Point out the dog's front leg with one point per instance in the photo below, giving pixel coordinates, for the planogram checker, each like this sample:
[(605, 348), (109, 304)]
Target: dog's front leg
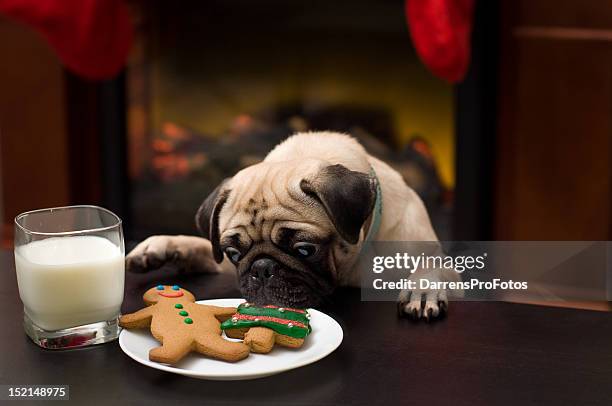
[(183, 252), (414, 229)]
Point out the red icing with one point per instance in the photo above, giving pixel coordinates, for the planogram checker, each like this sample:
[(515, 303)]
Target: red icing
[(174, 293), (268, 318), (286, 308)]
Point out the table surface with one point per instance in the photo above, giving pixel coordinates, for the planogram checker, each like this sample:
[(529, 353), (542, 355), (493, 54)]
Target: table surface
[(482, 354)]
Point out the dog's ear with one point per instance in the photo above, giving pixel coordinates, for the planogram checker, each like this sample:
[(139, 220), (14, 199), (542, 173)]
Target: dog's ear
[(207, 217), (348, 198)]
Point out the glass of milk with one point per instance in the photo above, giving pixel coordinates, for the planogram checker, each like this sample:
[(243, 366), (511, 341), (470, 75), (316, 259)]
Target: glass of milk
[(70, 272)]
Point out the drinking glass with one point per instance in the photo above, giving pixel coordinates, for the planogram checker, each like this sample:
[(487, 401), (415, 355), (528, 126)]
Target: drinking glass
[(70, 272)]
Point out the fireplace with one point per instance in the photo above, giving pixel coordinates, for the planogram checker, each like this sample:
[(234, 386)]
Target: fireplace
[(215, 85)]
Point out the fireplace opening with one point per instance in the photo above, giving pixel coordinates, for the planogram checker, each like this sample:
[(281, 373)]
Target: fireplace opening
[(212, 86)]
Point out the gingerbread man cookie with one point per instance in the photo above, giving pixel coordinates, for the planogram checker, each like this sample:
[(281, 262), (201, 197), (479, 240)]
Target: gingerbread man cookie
[(183, 326), (262, 327)]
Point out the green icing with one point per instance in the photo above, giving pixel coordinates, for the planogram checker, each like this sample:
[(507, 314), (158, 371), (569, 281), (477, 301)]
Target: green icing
[(188, 320), (294, 331), (178, 306), (183, 313), (264, 311)]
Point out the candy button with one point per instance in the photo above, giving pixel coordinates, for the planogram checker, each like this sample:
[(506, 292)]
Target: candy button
[(160, 287), (188, 320), (175, 287), (178, 306), (183, 313)]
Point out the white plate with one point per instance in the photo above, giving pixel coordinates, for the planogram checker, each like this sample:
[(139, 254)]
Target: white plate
[(326, 336)]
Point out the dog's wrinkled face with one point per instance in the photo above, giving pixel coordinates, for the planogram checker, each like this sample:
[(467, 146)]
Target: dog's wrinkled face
[(288, 227)]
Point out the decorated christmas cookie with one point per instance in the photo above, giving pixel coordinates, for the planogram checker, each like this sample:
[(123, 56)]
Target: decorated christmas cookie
[(262, 327), (183, 326)]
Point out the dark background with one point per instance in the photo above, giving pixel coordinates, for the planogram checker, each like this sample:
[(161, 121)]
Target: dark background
[(532, 120)]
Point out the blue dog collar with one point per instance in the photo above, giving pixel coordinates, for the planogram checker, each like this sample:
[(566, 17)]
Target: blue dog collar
[(377, 211)]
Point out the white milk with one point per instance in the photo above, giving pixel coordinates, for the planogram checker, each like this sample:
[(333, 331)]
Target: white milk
[(70, 281)]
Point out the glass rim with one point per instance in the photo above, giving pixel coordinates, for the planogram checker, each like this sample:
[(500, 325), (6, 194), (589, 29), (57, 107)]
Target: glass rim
[(20, 216)]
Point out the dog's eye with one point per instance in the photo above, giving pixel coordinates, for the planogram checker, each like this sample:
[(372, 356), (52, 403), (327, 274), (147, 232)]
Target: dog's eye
[(305, 249), (233, 254)]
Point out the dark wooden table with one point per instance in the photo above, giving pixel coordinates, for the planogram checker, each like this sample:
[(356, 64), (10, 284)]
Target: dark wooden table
[(482, 354)]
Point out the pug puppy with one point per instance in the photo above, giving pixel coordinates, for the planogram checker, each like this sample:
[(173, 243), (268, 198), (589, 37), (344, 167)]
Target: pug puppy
[(292, 226)]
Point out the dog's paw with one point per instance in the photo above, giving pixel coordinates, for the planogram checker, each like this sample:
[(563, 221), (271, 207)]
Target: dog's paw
[(181, 252), (427, 304), (153, 253)]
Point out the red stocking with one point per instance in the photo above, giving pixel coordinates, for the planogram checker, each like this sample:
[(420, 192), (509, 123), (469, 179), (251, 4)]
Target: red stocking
[(440, 30), (91, 37)]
